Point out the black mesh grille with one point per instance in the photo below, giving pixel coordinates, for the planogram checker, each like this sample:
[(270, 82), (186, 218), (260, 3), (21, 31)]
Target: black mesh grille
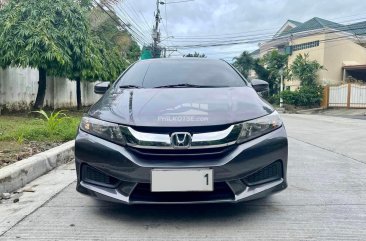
[(142, 193), (268, 174), (93, 176)]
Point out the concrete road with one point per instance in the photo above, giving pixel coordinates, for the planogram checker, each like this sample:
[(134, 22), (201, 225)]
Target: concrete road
[(326, 199)]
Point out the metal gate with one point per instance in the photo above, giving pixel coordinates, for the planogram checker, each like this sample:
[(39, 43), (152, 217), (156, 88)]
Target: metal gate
[(347, 95)]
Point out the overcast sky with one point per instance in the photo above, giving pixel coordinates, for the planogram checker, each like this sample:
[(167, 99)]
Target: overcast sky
[(220, 21)]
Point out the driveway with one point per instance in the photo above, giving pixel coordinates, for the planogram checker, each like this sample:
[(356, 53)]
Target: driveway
[(326, 199)]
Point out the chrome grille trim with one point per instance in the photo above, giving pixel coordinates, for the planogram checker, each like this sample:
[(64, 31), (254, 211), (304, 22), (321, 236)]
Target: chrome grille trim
[(206, 140)]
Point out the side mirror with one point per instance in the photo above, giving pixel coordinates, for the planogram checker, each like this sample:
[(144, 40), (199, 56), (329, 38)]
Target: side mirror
[(260, 85), (101, 88)]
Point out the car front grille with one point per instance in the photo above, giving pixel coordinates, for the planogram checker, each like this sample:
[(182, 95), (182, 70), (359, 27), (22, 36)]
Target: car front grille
[(208, 153), (178, 138), (142, 193), (192, 129), (267, 174)]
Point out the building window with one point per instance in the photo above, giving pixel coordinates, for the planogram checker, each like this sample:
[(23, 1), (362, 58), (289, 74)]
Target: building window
[(308, 45)]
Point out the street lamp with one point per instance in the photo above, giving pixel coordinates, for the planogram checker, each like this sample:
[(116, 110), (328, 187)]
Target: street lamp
[(281, 87)]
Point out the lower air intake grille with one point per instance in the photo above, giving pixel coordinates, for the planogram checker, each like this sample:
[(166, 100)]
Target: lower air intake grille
[(267, 174), (142, 193), (93, 176)]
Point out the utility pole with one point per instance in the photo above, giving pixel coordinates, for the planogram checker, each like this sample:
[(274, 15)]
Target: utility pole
[(156, 32), (157, 51)]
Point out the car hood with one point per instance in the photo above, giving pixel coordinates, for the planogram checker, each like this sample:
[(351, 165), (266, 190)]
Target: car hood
[(180, 107)]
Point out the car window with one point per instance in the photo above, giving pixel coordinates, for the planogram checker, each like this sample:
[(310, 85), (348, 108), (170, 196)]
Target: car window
[(134, 75), (151, 74)]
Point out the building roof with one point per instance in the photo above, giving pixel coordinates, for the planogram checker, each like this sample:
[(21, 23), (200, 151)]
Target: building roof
[(255, 52), (357, 28), (297, 23), (289, 25), (313, 24)]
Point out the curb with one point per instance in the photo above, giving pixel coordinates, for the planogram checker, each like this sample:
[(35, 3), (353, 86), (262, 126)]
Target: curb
[(310, 111), (17, 175)]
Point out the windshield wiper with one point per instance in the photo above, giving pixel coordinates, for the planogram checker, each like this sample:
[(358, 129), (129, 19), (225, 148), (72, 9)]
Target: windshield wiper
[(187, 86), (130, 87)]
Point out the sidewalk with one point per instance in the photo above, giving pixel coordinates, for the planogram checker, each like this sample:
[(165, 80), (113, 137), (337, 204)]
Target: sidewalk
[(340, 112)]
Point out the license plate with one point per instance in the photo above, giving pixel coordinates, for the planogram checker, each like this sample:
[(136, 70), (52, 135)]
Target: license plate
[(181, 180)]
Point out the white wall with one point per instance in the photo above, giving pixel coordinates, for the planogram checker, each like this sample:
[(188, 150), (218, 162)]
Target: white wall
[(18, 90)]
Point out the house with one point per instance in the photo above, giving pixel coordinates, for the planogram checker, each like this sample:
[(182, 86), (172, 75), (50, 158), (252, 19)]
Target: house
[(339, 48)]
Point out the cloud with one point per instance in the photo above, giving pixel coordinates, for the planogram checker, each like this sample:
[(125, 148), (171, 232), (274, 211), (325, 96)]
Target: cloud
[(213, 21)]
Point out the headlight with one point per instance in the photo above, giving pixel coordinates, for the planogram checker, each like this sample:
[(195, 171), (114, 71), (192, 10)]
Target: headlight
[(105, 130), (258, 127)]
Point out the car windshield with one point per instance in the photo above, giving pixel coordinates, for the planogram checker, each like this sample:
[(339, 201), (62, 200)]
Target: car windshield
[(178, 73)]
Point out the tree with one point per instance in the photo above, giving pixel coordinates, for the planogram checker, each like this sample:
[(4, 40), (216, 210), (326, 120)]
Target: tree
[(2, 3), (133, 52), (99, 61), (267, 68), (99, 58), (103, 55), (107, 28), (244, 63), (310, 93), (260, 70), (273, 62), (86, 64), (44, 34), (306, 70), (195, 55)]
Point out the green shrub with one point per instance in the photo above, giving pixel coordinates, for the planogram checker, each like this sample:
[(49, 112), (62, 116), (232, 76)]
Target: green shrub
[(290, 97), (310, 96), (273, 99), (53, 120), (306, 96)]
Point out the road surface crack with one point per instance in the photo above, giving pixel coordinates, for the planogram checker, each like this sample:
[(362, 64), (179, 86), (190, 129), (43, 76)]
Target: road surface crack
[(329, 150)]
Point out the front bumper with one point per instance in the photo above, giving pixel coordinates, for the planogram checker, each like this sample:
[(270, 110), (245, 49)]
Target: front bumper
[(132, 171)]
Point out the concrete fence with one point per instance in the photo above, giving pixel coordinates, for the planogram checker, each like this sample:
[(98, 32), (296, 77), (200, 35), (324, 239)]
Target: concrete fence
[(346, 95), (18, 90)]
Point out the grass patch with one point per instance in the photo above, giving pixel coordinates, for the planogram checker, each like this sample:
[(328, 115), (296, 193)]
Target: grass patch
[(23, 135), (24, 129)]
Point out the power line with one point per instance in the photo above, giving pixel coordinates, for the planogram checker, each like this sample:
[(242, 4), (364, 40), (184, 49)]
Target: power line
[(133, 33), (131, 21), (138, 14), (145, 20), (255, 40), (207, 41), (116, 21), (268, 32), (330, 40), (183, 1), (211, 41)]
